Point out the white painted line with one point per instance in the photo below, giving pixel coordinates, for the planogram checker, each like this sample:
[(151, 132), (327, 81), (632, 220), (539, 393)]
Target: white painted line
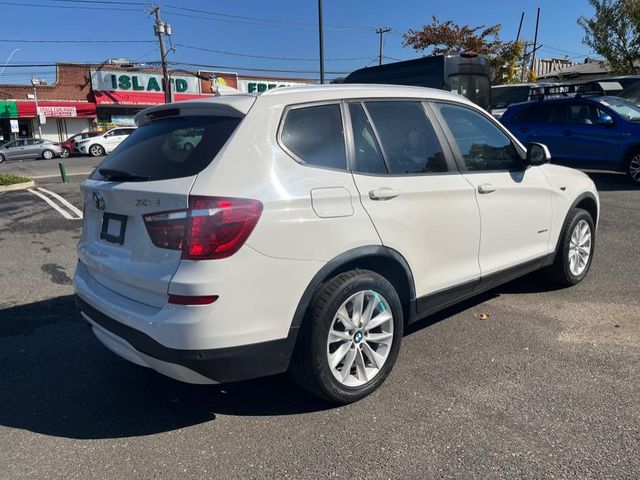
[(53, 205), (63, 201)]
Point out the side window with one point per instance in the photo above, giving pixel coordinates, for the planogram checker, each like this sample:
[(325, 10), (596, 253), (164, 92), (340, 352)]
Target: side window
[(315, 135), (536, 114), (482, 144), (11, 144), (409, 143), (583, 114), (368, 157)]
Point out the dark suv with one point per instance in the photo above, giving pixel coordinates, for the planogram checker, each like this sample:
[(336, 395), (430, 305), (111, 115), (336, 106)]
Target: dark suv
[(595, 132)]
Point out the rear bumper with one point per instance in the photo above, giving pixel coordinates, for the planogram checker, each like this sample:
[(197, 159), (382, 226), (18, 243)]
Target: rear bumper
[(218, 365)]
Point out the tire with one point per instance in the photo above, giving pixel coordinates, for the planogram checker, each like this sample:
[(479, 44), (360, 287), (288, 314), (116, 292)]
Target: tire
[(310, 365), (565, 271), (633, 167), (2, 159), (65, 153), (96, 150), (48, 155)]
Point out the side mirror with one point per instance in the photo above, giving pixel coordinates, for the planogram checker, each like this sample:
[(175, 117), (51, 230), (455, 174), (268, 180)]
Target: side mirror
[(605, 120), (538, 154)]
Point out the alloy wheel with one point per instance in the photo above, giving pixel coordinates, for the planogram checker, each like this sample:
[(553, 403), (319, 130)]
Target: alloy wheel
[(580, 248), (47, 154), (360, 338), (65, 153), (96, 150), (634, 168)]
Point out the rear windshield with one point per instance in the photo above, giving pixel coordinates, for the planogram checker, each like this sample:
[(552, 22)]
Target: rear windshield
[(167, 148)]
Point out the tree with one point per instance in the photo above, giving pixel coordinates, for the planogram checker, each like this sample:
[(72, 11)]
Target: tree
[(448, 38), (614, 33)]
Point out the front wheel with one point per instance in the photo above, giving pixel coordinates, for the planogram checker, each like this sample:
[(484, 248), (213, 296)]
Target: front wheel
[(575, 251), (65, 153), (350, 339), (1, 158), (48, 154), (96, 150), (633, 168)]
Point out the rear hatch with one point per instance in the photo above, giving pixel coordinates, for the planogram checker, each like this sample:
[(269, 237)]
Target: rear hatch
[(135, 201)]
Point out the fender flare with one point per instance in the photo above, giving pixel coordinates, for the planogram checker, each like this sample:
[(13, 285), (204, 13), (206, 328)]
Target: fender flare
[(335, 264), (583, 196)]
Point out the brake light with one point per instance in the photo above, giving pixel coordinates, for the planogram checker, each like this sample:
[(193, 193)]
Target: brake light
[(212, 227)]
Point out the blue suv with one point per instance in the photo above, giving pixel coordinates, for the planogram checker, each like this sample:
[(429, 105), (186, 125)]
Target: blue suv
[(594, 132)]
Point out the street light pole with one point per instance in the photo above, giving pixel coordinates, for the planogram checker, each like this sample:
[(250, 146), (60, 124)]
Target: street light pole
[(321, 39), (34, 82)]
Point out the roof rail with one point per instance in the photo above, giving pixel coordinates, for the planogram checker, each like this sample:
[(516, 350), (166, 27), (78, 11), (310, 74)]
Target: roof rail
[(575, 89)]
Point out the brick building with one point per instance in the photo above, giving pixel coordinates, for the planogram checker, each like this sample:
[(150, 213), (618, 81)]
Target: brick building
[(85, 97)]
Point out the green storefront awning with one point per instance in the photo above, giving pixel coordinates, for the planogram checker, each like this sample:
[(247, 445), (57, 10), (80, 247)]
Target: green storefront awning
[(8, 110)]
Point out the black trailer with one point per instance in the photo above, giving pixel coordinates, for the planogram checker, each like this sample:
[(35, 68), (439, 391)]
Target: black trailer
[(468, 74)]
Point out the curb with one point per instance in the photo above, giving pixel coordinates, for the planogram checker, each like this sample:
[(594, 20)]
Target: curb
[(17, 186)]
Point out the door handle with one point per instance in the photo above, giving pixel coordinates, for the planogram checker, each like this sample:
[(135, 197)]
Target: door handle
[(383, 193), (486, 188)]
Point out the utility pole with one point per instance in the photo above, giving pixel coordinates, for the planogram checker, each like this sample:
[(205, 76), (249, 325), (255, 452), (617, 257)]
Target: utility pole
[(321, 39), (161, 29), (535, 42), (381, 32)]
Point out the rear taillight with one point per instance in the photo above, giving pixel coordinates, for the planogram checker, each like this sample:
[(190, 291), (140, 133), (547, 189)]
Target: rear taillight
[(211, 228)]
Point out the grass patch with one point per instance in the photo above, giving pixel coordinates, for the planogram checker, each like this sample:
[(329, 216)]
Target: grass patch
[(7, 179)]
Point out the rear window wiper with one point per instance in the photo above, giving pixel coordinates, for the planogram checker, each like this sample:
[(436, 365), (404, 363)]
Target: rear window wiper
[(121, 175)]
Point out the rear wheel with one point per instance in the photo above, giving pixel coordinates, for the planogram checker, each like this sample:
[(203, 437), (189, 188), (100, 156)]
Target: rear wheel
[(96, 150), (65, 153), (633, 167), (575, 250), (1, 158), (48, 154), (350, 339)]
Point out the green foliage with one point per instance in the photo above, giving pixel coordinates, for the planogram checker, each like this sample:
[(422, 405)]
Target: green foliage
[(448, 38), (7, 179), (614, 33)]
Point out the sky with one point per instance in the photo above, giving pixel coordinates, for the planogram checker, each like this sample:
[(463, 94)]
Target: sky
[(235, 35)]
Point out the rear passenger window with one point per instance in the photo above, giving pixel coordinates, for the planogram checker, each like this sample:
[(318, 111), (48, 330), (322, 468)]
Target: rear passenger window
[(409, 143), (315, 135), (368, 157)]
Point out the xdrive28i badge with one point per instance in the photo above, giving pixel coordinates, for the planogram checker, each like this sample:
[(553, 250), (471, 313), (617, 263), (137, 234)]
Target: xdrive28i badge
[(98, 200)]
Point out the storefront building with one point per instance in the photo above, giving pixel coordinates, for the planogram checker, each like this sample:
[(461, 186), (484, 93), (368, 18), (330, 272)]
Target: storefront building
[(96, 97), (65, 108)]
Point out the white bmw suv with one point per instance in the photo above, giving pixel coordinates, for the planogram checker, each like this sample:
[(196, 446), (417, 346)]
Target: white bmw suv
[(307, 227), (105, 143)]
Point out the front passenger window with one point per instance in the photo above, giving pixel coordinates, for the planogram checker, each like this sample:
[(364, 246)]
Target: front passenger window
[(484, 147)]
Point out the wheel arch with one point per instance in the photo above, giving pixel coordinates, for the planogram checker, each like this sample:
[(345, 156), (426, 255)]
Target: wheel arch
[(626, 157), (380, 259), (586, 201)]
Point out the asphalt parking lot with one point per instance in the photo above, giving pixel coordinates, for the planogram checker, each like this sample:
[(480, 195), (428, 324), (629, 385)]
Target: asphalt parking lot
[(547, 387)]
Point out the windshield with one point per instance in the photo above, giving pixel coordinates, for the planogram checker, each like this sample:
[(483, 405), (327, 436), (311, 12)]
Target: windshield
[(624, 108), (502, 97), (631, 93), (475, 87), (168, 148)]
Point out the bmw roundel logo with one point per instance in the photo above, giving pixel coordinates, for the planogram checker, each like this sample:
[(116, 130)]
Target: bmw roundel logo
[(357, 337), (98, 201)]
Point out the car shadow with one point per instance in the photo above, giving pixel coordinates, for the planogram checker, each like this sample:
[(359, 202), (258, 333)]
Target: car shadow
[(612, 181), (58, 380)]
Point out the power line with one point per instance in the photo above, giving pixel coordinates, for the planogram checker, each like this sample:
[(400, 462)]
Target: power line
[(106, 2), (72, 7), (226, 67), (7, 40), (267, 22), (267, 57)]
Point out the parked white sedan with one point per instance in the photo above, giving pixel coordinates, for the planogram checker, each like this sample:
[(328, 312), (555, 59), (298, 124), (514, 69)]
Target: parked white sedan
[(105, 143)]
